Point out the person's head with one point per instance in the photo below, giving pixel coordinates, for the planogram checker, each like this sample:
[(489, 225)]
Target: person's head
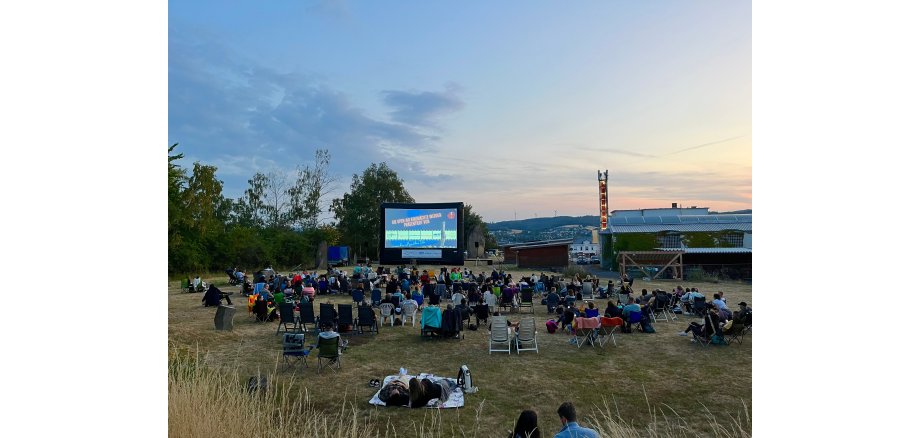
[(630, 300), (527, 425), (590, 304), (742, 305), (716, 296), (566, 412), (610, 304), (644, 292)]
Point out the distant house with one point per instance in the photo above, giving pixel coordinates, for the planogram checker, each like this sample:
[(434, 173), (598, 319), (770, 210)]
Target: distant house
[(539, 254)]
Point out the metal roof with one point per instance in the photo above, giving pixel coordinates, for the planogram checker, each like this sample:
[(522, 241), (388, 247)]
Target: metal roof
[(683, 219), (681, 227), (709, 250), (538, 243)]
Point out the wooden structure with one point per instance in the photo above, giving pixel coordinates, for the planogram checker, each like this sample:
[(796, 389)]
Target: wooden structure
[(641, 259), (542, 254)]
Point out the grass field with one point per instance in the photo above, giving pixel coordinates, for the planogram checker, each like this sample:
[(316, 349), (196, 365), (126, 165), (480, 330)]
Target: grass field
[(656, 384)]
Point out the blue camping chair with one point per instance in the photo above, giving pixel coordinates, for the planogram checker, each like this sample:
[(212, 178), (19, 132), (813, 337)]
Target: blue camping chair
[(634, 318), (551, 303), (376, 297), (357, 296), (431, 321)]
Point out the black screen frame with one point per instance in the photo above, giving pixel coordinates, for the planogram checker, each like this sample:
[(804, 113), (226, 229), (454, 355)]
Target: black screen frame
[(449, 256)]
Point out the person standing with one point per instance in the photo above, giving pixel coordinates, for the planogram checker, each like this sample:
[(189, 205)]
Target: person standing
[(570, 428)]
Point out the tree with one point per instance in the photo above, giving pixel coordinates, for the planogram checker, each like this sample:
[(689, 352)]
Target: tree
[(203, 200), (358, 212)]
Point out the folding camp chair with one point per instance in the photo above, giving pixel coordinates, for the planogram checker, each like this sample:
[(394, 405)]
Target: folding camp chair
[(738, 330), (699, 306), (293, 351), (252, 304), (375, 297), (662, 309), (357, 296), (527, 300), (498, 335), (587, 291), (367, 318), (327, 315), (507, 300), (346, 318), (702, 340), (260, 310), (586, 330), (431, 321), (552, 302), (409, 310), (287, 319), (481, 311), (605, 332), (633, 318), (526, 334), (386, 311), (307, 316), (623, 298), (329, 354)]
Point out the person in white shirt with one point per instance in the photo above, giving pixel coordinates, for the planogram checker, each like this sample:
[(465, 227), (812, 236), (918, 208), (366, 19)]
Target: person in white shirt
[(718, 301), (457, 297), (489, 299)]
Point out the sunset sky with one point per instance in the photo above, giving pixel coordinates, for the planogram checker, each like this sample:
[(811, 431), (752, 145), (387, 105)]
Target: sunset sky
[(509, 106)]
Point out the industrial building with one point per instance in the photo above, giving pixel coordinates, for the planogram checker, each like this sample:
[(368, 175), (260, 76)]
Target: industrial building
[(678, 243)]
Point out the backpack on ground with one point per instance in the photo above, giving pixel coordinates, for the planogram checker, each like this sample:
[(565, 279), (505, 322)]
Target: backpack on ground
[(551, 326), (465, 380)]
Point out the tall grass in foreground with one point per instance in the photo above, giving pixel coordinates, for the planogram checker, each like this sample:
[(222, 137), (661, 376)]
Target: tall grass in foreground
[(205, 402)]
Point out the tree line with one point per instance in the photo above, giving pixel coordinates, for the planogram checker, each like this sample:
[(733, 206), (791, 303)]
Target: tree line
[(281, 218)]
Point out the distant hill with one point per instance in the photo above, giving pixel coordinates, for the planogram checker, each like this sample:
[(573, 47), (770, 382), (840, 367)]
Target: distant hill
[(748, 211), (544, 223)]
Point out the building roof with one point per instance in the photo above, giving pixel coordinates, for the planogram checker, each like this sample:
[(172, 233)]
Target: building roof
[(685, 223), (542, 244), (709, 250)]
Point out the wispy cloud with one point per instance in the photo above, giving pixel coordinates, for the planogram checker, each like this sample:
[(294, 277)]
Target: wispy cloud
[(228, 110), (422, 108)]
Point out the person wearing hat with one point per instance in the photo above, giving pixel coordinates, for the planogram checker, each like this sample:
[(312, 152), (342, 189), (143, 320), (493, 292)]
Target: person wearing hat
[(744, 311)]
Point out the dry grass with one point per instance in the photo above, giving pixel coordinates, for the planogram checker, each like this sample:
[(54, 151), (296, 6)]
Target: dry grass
[(648, 385)]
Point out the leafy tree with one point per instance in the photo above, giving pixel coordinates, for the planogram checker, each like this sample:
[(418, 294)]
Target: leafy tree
[(358, 212)]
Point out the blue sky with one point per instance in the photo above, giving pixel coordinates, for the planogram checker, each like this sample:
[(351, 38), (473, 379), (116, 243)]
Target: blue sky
[(508, 106)]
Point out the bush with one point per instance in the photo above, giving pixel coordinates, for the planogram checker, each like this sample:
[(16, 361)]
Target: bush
[(573, 270)]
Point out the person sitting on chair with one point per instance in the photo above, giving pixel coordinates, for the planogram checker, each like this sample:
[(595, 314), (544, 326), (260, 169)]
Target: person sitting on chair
[(213, 296), (591, 312), (740, 315), (330, 333), (612, 311), (710, 326), (630, 306)]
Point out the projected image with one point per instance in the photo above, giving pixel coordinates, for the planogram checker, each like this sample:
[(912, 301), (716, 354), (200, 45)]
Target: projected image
[(420, 228)]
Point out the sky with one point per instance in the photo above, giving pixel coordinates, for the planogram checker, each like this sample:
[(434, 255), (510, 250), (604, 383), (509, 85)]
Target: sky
[(511, 107)]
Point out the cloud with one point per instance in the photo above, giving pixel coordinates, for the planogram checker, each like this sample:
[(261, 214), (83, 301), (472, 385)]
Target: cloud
[(422, 108), (227, 110)]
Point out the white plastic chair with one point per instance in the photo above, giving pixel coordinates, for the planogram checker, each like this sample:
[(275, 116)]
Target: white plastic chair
[(409, 310), (386, 311)]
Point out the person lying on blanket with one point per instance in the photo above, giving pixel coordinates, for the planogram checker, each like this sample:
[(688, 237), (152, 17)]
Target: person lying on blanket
[(416, 393)]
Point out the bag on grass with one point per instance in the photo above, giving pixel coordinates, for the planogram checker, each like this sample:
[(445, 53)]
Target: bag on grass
[(465, 380), (551, 326)]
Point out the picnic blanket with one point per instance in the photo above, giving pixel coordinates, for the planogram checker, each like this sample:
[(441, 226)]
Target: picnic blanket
[(455, 400)]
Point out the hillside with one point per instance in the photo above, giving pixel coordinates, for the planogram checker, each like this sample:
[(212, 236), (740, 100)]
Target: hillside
[(544, 223)]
